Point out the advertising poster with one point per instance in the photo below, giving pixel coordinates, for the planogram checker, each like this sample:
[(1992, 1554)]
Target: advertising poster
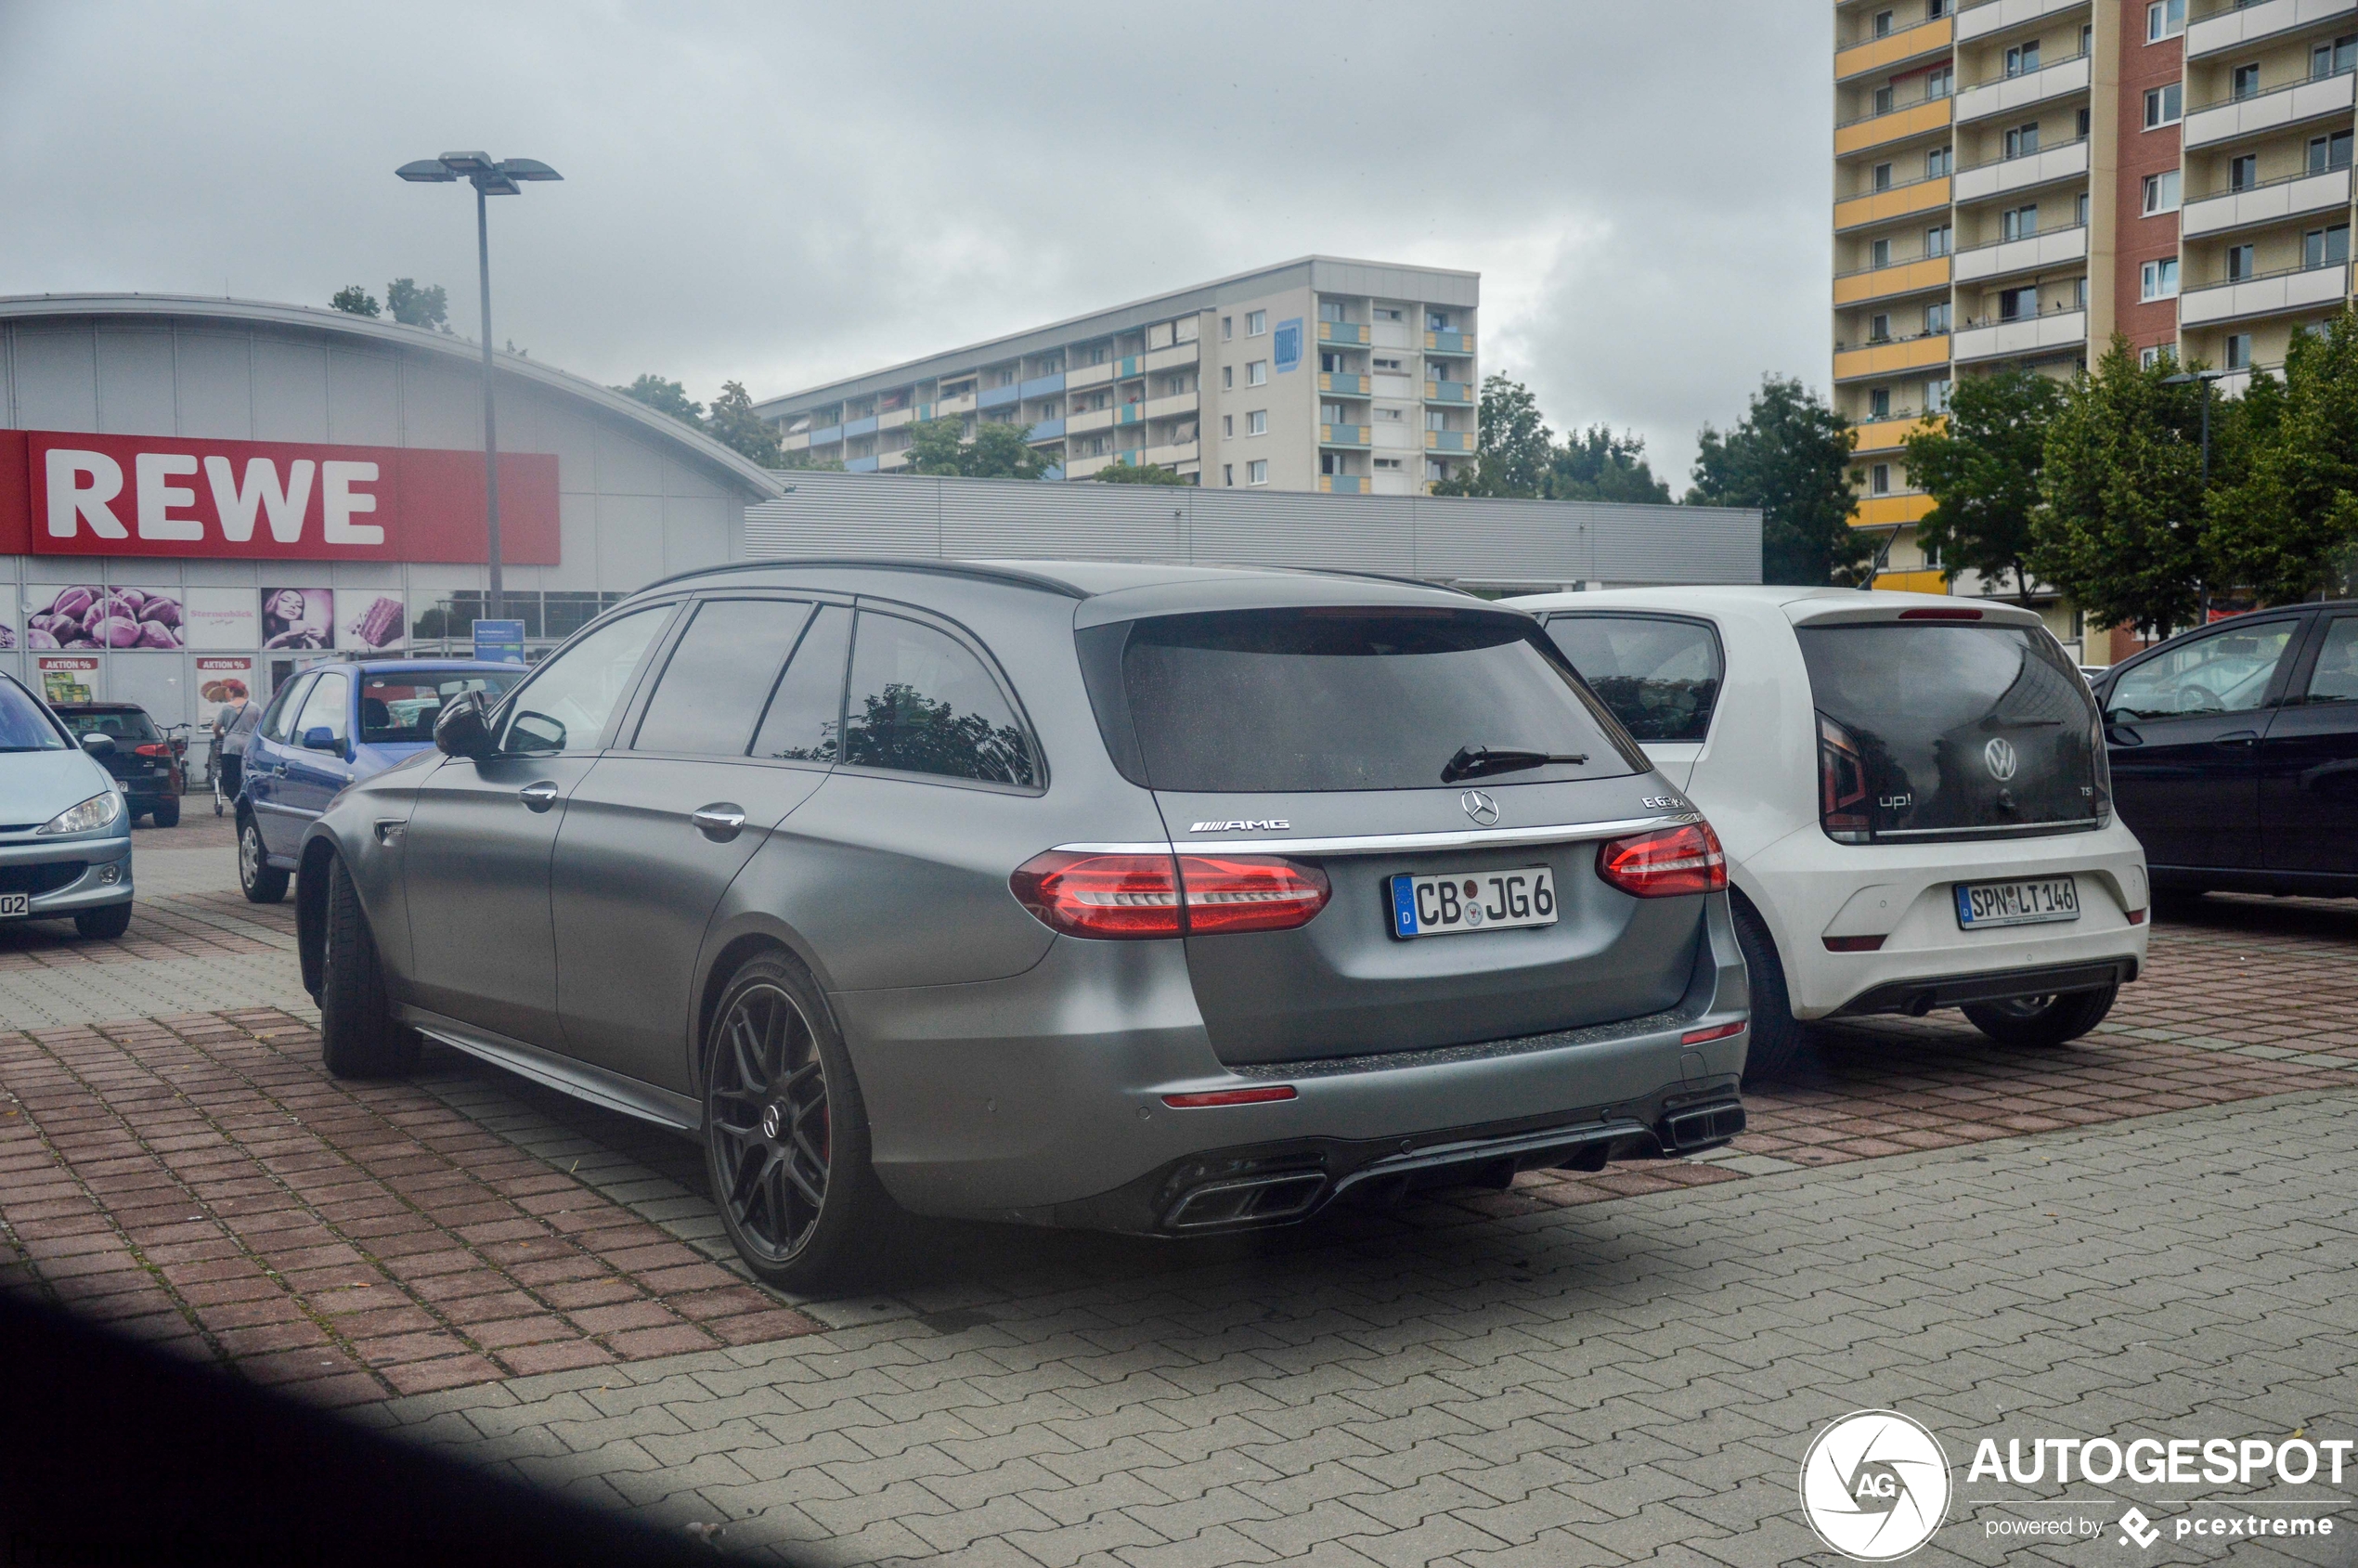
[(223, 680), (70, 678), (9, 625), (88, 615), (373, 620), (223, 618), (298, 617)]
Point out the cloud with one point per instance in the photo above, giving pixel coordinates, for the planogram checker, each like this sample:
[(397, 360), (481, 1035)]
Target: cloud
[(785, 194)]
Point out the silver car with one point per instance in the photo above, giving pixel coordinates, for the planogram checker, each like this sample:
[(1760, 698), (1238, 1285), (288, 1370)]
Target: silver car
[(1159, 899), (65, 829)]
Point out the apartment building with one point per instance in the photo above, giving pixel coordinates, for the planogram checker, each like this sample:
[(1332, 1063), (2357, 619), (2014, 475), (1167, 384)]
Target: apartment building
[(1349, 377), (2016, 180)]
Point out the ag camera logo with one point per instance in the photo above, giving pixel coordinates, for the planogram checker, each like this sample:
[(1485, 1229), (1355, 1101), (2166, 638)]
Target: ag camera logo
[(1875, 1486)]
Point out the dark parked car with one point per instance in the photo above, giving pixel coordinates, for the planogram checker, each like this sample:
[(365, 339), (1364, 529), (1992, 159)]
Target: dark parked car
[(1158, 899), (331, 726), (143, 759), (2234, 751)]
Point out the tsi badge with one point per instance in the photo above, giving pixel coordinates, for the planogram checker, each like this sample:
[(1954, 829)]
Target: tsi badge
[(1875, 1486)]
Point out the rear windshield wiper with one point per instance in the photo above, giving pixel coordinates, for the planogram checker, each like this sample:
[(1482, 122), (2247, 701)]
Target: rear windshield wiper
[(1480, 761)]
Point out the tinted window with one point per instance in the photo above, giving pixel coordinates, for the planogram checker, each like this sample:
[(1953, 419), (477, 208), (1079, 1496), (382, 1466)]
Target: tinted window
[(1954, 729), (805, 711), (400, 710), (327, 703), (129, 725), (282, 708), (568, 701), (1343, 698), (23, 727), (1659, 677), (2336, 678), (922, 703), (709, 698), (2227, 671)]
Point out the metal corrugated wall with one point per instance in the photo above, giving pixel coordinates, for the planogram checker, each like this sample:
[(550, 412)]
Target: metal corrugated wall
[(1443, 538)]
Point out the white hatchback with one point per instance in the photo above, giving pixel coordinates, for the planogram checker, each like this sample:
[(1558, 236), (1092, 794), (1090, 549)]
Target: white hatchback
[(1912, 790)]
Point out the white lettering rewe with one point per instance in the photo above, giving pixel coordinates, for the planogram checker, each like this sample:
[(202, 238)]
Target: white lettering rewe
[(236, 503), (340, 502), (72, 503), (158, 497)]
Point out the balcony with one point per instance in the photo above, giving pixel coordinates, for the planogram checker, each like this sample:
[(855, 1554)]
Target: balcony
[(999, 396), (859, 465), (2280, 108), (1042, 386), (1047, 430), (2037, 253), (860, 427), (1449, 392), (1895, 49), (1926, 352), (826, 437), (1449, 342), (1342, 383), (1176, 403), (2005, 177), (1173, 454), (1093, 418), (2012, 95), (1131, 413), (2276, 293), (1884, 282), (1921, 118), (1898, 201), (1342, 332), (794, 443), (2050, 333), (2241, 27), (893, 419), (1980, 18), (2294, 197), (1342, 435), (1089, 375), (1890, 434), (1450, 440), (961, 404), (1177, 354), (1343, 484), (1884, 511)]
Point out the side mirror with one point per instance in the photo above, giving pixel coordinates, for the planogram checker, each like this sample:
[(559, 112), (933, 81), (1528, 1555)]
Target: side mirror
[(320, 738), (464, 727), (97, 745)]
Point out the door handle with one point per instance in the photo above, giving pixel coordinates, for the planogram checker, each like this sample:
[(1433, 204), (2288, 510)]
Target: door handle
[(719, 822), (539, 797), (2241, 737)]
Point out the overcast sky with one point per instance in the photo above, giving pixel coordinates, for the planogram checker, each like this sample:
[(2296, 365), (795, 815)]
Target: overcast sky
[(781, 194)]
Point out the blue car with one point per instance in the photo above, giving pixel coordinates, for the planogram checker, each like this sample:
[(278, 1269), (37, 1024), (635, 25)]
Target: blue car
[(331, 726)]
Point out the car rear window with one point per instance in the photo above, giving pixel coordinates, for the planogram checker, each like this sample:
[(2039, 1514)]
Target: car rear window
[(1660, 676), (398, 709), (1346, 698), (1955, 731), (130, 725)]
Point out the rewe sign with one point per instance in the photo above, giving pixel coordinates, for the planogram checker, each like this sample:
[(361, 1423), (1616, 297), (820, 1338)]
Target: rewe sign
[(74, 493)]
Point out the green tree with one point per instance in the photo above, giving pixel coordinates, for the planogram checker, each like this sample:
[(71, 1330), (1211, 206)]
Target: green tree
[(1138, 473), (997, 451), (1596, 465), (2120, 526), (354, 299), (2284, 525), (665, 397), (733, 423), (1791, 458), (413, 306), (1512, 445), (1980, 466)]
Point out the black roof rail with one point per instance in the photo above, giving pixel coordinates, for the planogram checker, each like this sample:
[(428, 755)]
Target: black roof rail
[(1040, 580)]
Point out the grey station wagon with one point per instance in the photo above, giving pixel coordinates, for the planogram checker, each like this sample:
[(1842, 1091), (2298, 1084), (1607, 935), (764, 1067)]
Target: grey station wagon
[(1158, 899)]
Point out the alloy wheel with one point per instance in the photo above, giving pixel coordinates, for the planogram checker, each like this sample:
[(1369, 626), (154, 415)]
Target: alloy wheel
[(767, 1122), (249, 854)]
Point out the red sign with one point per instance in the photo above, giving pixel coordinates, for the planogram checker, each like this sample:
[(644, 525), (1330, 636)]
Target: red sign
[(70, 493)]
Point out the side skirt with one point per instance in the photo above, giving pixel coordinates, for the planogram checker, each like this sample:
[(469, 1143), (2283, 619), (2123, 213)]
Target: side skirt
[(594, 1084)]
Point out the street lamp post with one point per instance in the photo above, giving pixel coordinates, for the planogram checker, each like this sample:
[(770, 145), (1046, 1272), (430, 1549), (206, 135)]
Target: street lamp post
[(2202, 379), (489, 178)]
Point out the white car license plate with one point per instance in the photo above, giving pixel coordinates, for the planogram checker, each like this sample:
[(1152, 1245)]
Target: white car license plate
[(1450, 903), (15, 906), (2017, 903)]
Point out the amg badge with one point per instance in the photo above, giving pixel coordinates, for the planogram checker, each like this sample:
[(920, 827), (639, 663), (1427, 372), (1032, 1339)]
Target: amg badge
[(1269, 824)]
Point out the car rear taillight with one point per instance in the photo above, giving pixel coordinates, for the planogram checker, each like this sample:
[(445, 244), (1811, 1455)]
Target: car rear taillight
[(1206, 1101), (1142, 896), (153, 748), (1664, 865), (1842, 785)]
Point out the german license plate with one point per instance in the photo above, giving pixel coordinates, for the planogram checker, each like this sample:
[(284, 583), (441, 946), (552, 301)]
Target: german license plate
[(15, 906), (1449, 904), (2017, 903)]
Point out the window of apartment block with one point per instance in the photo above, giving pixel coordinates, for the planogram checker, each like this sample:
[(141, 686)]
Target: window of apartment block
[(1936, 317), (1331, 310), (2165, 18), (1879, 479), (2079, 209), (1940, 83), (2243, 173), (1392, 416), (2164, 106), (1257, 373), (2327, 153), (2334, 59), (1879, 403), (2017, 305), (2079, 293), (1936, 396), (1256, 323), (2158, 279), (2022, 141), (1879, 253), (1884, 100), (1936, 240), (1333, 413), (2244, 82), (1227, 328), (1436, 419), (1436, 469), (2240, 351), (2081, 122), (1880, 180), (2154, 353), (1227, 377), (1385, 466), (1257, 472), (1257, 422), (2161, 192), (1878, 330), (2326, 247), (1391, 312), (1935, 9), (1227, 427), (1882, 25), (1229, 475), (1940, 161), (2241, 262), (1436, 321), (2018, 223), (1390, 366), (2023, 59)]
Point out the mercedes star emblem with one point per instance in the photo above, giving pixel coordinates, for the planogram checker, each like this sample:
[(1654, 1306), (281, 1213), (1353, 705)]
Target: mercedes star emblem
[(1481, 808)]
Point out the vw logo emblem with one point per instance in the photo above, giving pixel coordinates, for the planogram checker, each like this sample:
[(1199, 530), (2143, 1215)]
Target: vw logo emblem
[(1479, 806), (2000, 755), (770, 1122)]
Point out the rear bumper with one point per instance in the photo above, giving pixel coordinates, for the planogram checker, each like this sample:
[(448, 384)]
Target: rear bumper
[(1917, 997), (1039, 1098)]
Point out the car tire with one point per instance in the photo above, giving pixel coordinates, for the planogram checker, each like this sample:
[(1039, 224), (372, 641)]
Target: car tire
[(167, 813), (358, 1035), (2040, 1021), (785, 1133), (1776, 1035), (106, 923), (261, 882)]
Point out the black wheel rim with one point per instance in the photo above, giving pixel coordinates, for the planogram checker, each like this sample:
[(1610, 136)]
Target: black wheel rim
[(767, 1123)]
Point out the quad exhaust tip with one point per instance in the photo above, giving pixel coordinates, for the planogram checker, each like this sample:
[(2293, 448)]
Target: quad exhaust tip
[(1256, 1201), (1703, 1127)]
